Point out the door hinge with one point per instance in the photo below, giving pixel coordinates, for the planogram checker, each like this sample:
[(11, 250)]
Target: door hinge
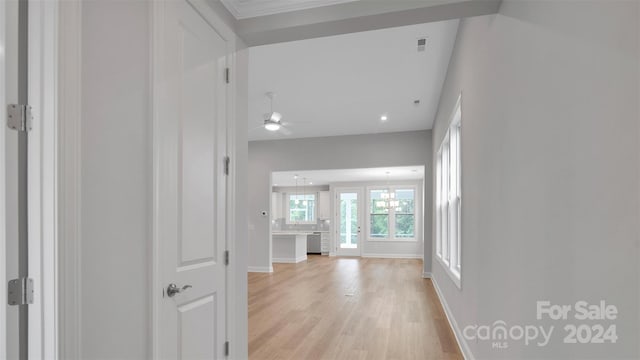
[(20, 291), (226, 257), (226, 75), (226, 348), (227, 162), (19, 117)]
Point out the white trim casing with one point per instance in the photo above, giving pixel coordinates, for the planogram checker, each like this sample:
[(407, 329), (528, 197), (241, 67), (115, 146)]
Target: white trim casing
[(69, 180), (462, 343), (427, 275), (42, 94)]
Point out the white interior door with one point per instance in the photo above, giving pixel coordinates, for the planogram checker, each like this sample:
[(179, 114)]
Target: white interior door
[(190, 148), (349, 222)]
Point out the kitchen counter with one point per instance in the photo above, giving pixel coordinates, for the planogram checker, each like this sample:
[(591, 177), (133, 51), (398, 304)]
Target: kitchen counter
[(289, 247)]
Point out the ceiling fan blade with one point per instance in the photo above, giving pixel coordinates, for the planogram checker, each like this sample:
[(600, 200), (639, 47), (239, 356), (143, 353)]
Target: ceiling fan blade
[(285, 131), (287, 123), (256, 128)]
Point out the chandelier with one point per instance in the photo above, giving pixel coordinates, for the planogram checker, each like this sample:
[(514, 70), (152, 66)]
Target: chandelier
[(388, 199)]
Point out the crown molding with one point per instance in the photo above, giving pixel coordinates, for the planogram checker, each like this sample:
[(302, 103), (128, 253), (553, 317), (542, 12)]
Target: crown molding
[(244, 9)]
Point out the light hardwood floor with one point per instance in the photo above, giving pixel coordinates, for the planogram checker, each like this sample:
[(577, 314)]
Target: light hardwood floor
[(347, 308)]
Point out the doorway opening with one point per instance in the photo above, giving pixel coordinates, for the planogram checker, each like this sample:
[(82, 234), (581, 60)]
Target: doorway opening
[(366, 212)]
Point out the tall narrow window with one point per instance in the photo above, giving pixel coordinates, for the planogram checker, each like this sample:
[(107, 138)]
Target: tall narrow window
[(449, 198)]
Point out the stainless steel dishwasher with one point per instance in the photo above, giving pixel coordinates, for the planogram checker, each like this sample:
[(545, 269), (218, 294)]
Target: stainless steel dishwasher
[(313, 243)]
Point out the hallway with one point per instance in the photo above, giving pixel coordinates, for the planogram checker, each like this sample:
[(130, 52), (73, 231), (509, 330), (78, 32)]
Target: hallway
[(347, 308)]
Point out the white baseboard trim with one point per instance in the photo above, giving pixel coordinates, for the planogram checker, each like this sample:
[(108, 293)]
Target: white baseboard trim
[(427, 275), (457, 332), (393, 256), (260, 269), (332, 254), (289, 260)]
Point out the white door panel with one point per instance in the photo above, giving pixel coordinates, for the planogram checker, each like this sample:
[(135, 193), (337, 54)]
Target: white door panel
[(190, 199), (349, 221)]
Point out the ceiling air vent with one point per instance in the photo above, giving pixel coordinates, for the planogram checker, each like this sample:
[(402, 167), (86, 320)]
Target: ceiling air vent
[(422, 44)]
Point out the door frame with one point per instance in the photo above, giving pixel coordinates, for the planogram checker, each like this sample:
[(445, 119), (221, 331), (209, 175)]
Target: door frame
[(42, 84), (336, 206), (43, 162), (156, 289)]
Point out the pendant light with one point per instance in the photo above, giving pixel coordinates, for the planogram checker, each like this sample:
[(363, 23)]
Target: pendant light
[(297, 196), (304, 191)]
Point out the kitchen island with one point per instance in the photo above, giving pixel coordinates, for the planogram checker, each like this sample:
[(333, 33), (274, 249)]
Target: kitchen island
[(289, 247)]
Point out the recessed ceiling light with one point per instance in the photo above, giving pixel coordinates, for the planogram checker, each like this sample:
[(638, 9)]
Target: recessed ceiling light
[(310, 183), (295, 176), (383, 118)]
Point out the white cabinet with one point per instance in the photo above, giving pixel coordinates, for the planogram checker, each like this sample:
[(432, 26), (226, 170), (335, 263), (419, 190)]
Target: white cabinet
[(324, 243), (276, 205), (324, 205)]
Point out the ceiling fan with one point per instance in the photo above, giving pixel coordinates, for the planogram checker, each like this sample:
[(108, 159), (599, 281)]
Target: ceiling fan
[(273, 120)]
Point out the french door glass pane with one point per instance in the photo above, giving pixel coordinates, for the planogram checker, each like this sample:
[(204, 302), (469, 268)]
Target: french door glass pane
[(348, 220)]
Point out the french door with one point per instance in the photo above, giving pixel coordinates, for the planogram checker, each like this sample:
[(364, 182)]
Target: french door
[(349, 219)]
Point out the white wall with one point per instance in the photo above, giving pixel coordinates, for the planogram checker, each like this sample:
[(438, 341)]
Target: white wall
[(550, 156), (336, 152), (116, 179), (117, 182)]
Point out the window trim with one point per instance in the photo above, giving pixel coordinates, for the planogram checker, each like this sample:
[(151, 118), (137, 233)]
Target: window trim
[(443, 207), (288, 209), (392, 236)]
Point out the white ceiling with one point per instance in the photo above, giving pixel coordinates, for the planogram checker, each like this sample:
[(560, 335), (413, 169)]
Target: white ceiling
[(342, 84), (325, 177), (243, 9)]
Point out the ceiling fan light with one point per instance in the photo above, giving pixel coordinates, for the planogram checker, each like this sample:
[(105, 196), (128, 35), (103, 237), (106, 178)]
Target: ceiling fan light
[(272, 126)]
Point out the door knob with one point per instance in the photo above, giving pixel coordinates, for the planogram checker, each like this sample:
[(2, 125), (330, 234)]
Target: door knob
[(173, 289)]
